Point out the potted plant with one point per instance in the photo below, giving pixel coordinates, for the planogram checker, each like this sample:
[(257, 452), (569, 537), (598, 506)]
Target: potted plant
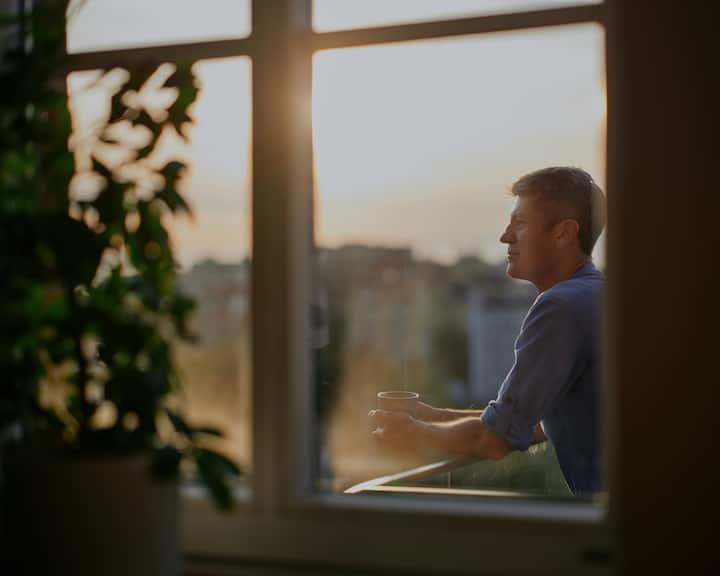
[(90, 309)]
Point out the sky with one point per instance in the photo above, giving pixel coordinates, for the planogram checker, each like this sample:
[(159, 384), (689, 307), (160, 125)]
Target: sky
[(416, 144)]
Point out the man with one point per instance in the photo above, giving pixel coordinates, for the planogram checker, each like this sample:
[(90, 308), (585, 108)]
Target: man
[(551, 391)]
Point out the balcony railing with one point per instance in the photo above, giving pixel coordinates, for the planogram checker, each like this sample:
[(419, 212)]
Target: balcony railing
[(401, 482), (423, 480)]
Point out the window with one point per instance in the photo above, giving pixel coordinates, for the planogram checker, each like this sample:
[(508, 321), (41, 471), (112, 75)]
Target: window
[(287, 519), (107, 24), (416, 146)]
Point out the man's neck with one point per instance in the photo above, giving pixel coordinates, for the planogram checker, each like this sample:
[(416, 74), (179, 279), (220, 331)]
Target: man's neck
[(563, 271)]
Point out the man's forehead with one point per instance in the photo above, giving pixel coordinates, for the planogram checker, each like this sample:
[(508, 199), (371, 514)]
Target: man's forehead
[(532, 207), (524, 206)]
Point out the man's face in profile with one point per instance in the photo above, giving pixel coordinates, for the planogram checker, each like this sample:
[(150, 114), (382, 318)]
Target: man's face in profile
[(528, 236)]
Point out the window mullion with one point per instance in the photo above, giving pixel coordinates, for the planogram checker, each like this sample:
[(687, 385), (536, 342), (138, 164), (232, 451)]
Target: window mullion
[(282, 185), (459, 27), (106, 59)]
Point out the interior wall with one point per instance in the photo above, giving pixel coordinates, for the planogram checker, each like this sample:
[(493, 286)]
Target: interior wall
[(663, 255)]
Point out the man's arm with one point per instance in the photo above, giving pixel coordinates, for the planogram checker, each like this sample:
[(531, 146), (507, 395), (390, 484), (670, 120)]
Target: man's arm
[(428, 413), (465, 436)]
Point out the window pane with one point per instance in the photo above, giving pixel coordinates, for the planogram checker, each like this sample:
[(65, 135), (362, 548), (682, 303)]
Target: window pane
[(212, 247), (108, 24), (416, 147), (343, 14)]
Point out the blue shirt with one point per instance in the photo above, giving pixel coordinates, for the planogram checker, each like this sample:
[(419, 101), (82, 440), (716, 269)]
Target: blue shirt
[(554, 379)]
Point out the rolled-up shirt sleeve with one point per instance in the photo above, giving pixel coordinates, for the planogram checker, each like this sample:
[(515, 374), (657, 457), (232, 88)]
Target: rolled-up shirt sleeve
[(545, 352)]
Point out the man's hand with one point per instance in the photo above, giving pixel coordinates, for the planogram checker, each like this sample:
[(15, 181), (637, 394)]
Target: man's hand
[(396, 430)]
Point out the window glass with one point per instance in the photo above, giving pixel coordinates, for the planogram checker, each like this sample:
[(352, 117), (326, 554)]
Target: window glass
[(344, 14), (416, 148), (213, 246), (109, 24)]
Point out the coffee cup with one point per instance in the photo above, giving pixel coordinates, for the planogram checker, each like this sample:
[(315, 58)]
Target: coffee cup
[(398, 401)]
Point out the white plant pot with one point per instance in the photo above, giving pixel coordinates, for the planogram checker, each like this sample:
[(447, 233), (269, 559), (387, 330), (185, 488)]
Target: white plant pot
[(95, 516)]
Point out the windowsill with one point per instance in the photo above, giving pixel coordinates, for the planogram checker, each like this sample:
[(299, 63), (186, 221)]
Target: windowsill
[(326, 530)]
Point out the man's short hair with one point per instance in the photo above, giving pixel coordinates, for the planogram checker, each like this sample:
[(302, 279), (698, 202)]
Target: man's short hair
[(562, 188)]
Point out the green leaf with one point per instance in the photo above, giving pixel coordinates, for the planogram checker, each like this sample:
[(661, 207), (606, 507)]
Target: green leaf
[(117, 108), (111, 140), (179, 423), (166, 462), (140, 72), (145, 151), (216, 471), (101, 169), (210, 430), (182, 76), (219, 461), (172, 172), (62, 169), (181, 309), (143, 118), (77, 249), (183, 80), (110, 204)]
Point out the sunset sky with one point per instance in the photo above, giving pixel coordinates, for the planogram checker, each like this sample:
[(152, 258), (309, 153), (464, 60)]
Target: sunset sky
[(416, 144)]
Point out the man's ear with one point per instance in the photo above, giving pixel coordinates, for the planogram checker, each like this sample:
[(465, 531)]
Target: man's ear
[(566, 232)]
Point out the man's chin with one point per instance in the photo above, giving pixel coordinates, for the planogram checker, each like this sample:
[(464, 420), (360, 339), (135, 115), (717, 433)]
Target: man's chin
[(512, 271)]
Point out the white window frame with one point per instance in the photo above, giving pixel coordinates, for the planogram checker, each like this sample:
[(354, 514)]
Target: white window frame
[(284, 521)]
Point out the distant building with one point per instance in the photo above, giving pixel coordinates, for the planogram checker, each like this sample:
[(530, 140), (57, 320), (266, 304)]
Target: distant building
[(222, 295), (400, 312), (493, 321)]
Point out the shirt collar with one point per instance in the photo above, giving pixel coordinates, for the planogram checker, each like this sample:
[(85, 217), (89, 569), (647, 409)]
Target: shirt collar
[(587, 269)]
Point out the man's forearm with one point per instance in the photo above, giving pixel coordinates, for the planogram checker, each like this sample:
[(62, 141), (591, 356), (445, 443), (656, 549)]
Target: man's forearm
[(450, 414), (466, 437), (432, 414)]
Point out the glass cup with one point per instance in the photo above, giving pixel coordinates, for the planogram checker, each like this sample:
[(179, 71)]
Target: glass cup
[(398, 401)]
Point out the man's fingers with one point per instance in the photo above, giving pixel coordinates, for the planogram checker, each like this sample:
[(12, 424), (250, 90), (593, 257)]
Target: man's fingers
[(378, 416)]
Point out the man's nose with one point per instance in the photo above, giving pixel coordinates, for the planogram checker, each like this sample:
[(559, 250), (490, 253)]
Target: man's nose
[(505, 237)]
